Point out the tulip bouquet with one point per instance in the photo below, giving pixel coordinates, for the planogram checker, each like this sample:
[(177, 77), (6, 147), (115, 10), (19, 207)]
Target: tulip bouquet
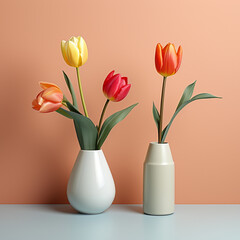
[(51, 98), (167, 62)]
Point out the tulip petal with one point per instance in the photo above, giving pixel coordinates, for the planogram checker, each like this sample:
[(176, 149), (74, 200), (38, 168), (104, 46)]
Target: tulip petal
[(49, 107), (75, 40), (122, 93), (39, 98), (169, 60), (179, 58), (125, 80), (109, 76), (53, 94), (158, 58), (35, 105), (83, 50), (73, 55), (46, 85), (63, 48), (113, 86)]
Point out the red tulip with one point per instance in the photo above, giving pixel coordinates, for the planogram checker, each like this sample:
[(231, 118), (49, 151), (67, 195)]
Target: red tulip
[(48, 100), (115, 87), (167, 61)]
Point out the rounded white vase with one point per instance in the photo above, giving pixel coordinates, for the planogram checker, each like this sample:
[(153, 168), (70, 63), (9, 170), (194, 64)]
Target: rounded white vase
[(91, 188), (158, 180)]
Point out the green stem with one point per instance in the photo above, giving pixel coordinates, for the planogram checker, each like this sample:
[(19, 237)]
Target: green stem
[(161, 110), (81, 93), (64, 101), (101, 118)]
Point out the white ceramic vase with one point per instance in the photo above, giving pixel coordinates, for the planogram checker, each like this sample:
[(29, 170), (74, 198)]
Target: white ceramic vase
[(91, 189), (159, 180)]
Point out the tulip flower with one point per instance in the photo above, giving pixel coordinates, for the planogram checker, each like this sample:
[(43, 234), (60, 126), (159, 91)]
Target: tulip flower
[(167, 61), (74, 51), (115, 87), (75, 54), (48, 100)]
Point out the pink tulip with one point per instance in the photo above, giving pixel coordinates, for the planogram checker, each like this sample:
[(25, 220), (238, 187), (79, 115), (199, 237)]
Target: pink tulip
[(115, 87), (48, 100)]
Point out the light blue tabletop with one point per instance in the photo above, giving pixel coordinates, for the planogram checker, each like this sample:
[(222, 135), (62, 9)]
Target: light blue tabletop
[(120, 222)]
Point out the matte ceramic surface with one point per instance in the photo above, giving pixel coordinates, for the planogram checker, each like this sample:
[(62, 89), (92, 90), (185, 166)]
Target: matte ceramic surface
[(120, 222), (159, 180), (91, 188)]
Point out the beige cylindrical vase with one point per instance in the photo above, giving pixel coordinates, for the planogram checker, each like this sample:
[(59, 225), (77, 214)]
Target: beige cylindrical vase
[(158, 180)]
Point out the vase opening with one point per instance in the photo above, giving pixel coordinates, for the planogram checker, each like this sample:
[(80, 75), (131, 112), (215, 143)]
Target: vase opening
[(156, 143), (93, 150)]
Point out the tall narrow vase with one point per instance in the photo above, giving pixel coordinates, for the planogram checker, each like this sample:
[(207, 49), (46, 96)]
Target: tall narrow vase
[(91, 189), (159, 180)]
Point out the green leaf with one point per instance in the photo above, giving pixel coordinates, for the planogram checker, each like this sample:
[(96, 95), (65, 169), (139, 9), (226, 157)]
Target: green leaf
[(164, 130), (197, 97), (110, 122), (156, 115), (187, 94), (71, 107), (64, 113), (71, 89), (85, 129), (203, 96)]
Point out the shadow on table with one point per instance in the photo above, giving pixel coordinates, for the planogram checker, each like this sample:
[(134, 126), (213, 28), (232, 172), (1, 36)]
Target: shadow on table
[(66, 208), (134, 208), (62, 208)]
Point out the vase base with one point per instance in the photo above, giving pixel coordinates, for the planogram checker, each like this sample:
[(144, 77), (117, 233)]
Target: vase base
[(159, 214), (84, 213)]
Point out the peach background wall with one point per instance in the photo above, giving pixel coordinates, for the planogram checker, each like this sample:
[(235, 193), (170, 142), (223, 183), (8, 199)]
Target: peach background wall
[(37, 151)]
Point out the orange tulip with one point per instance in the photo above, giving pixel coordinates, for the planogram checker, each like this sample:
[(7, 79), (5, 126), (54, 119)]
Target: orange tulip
[(48, 100), (167, 61)]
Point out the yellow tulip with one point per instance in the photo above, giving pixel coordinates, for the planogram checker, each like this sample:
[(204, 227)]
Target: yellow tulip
[(74, 51)]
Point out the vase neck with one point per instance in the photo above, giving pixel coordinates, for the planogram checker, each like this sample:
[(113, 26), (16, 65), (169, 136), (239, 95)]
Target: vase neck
[(159, 153)]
